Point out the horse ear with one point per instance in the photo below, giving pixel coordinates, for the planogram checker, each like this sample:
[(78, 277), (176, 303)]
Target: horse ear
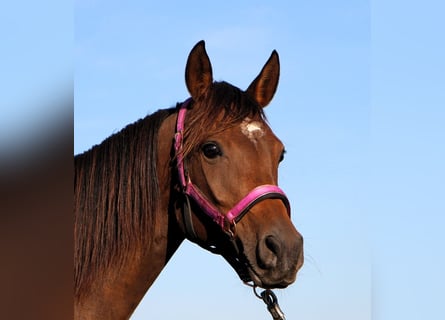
[(198, 71), (263, 88)]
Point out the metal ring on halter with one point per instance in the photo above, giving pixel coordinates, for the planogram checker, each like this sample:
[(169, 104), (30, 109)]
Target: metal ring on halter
[(231, 230), (269, 298)]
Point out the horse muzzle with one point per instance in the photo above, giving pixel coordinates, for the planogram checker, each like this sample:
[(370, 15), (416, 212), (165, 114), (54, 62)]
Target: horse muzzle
[(277, 260)]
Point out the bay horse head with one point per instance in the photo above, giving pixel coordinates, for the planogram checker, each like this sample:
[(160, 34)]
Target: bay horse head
[(232, 157), (206, 170)]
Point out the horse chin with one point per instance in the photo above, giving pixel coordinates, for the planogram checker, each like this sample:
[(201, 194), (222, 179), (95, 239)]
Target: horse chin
[(248, 274), (266, 282)]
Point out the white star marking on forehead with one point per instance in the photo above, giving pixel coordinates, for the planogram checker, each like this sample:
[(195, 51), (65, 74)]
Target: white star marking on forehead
[(252, 129)]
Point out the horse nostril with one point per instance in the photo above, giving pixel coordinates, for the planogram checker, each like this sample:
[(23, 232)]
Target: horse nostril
[(267, 252), (273, 245)]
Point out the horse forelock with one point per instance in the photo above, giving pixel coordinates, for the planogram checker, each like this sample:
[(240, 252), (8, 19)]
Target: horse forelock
[(220, 108)]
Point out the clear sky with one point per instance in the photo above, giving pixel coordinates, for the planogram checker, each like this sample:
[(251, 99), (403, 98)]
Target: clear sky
[(360, 108)]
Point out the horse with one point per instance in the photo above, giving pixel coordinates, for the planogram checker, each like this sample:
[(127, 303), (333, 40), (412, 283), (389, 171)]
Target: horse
[(205, 170)]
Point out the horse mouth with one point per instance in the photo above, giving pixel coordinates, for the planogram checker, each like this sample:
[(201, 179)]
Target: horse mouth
[(249, 275)]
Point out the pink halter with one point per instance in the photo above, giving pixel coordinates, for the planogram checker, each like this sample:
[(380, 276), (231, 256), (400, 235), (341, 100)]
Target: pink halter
[(225, 221)]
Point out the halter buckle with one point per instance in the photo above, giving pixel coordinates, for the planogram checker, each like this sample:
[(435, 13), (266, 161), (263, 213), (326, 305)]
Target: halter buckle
[(178, 141)]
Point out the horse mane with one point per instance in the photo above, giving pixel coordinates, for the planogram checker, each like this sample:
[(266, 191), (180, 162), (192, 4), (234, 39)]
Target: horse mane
[(116, 188), (116, 192)]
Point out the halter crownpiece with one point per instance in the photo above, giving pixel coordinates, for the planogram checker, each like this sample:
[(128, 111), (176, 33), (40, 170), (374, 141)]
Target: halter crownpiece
[(228, 220)]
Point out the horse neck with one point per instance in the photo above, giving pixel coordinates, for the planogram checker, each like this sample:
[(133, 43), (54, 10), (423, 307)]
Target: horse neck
[(119, 290)]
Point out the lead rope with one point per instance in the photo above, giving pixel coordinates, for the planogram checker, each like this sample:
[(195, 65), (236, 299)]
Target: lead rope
[(271, 301)]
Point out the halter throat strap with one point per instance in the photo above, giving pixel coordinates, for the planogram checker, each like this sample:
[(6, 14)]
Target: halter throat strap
[(228, 220)]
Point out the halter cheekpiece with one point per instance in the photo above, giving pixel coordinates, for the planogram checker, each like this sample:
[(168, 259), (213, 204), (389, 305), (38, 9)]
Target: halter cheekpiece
[(228, 220)]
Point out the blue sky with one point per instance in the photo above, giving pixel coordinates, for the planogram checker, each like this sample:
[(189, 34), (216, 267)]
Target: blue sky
[(35, 68), (360, 109)]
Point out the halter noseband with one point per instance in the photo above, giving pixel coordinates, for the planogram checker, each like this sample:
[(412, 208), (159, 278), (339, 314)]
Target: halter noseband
[(226, 221)]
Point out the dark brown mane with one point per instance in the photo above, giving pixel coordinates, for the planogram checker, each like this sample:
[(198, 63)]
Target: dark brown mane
[(220, 108), (115, 196)]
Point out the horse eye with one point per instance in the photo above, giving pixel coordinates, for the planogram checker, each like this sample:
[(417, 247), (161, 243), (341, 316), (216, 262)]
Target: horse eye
[(211, 150), (282, 155)]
